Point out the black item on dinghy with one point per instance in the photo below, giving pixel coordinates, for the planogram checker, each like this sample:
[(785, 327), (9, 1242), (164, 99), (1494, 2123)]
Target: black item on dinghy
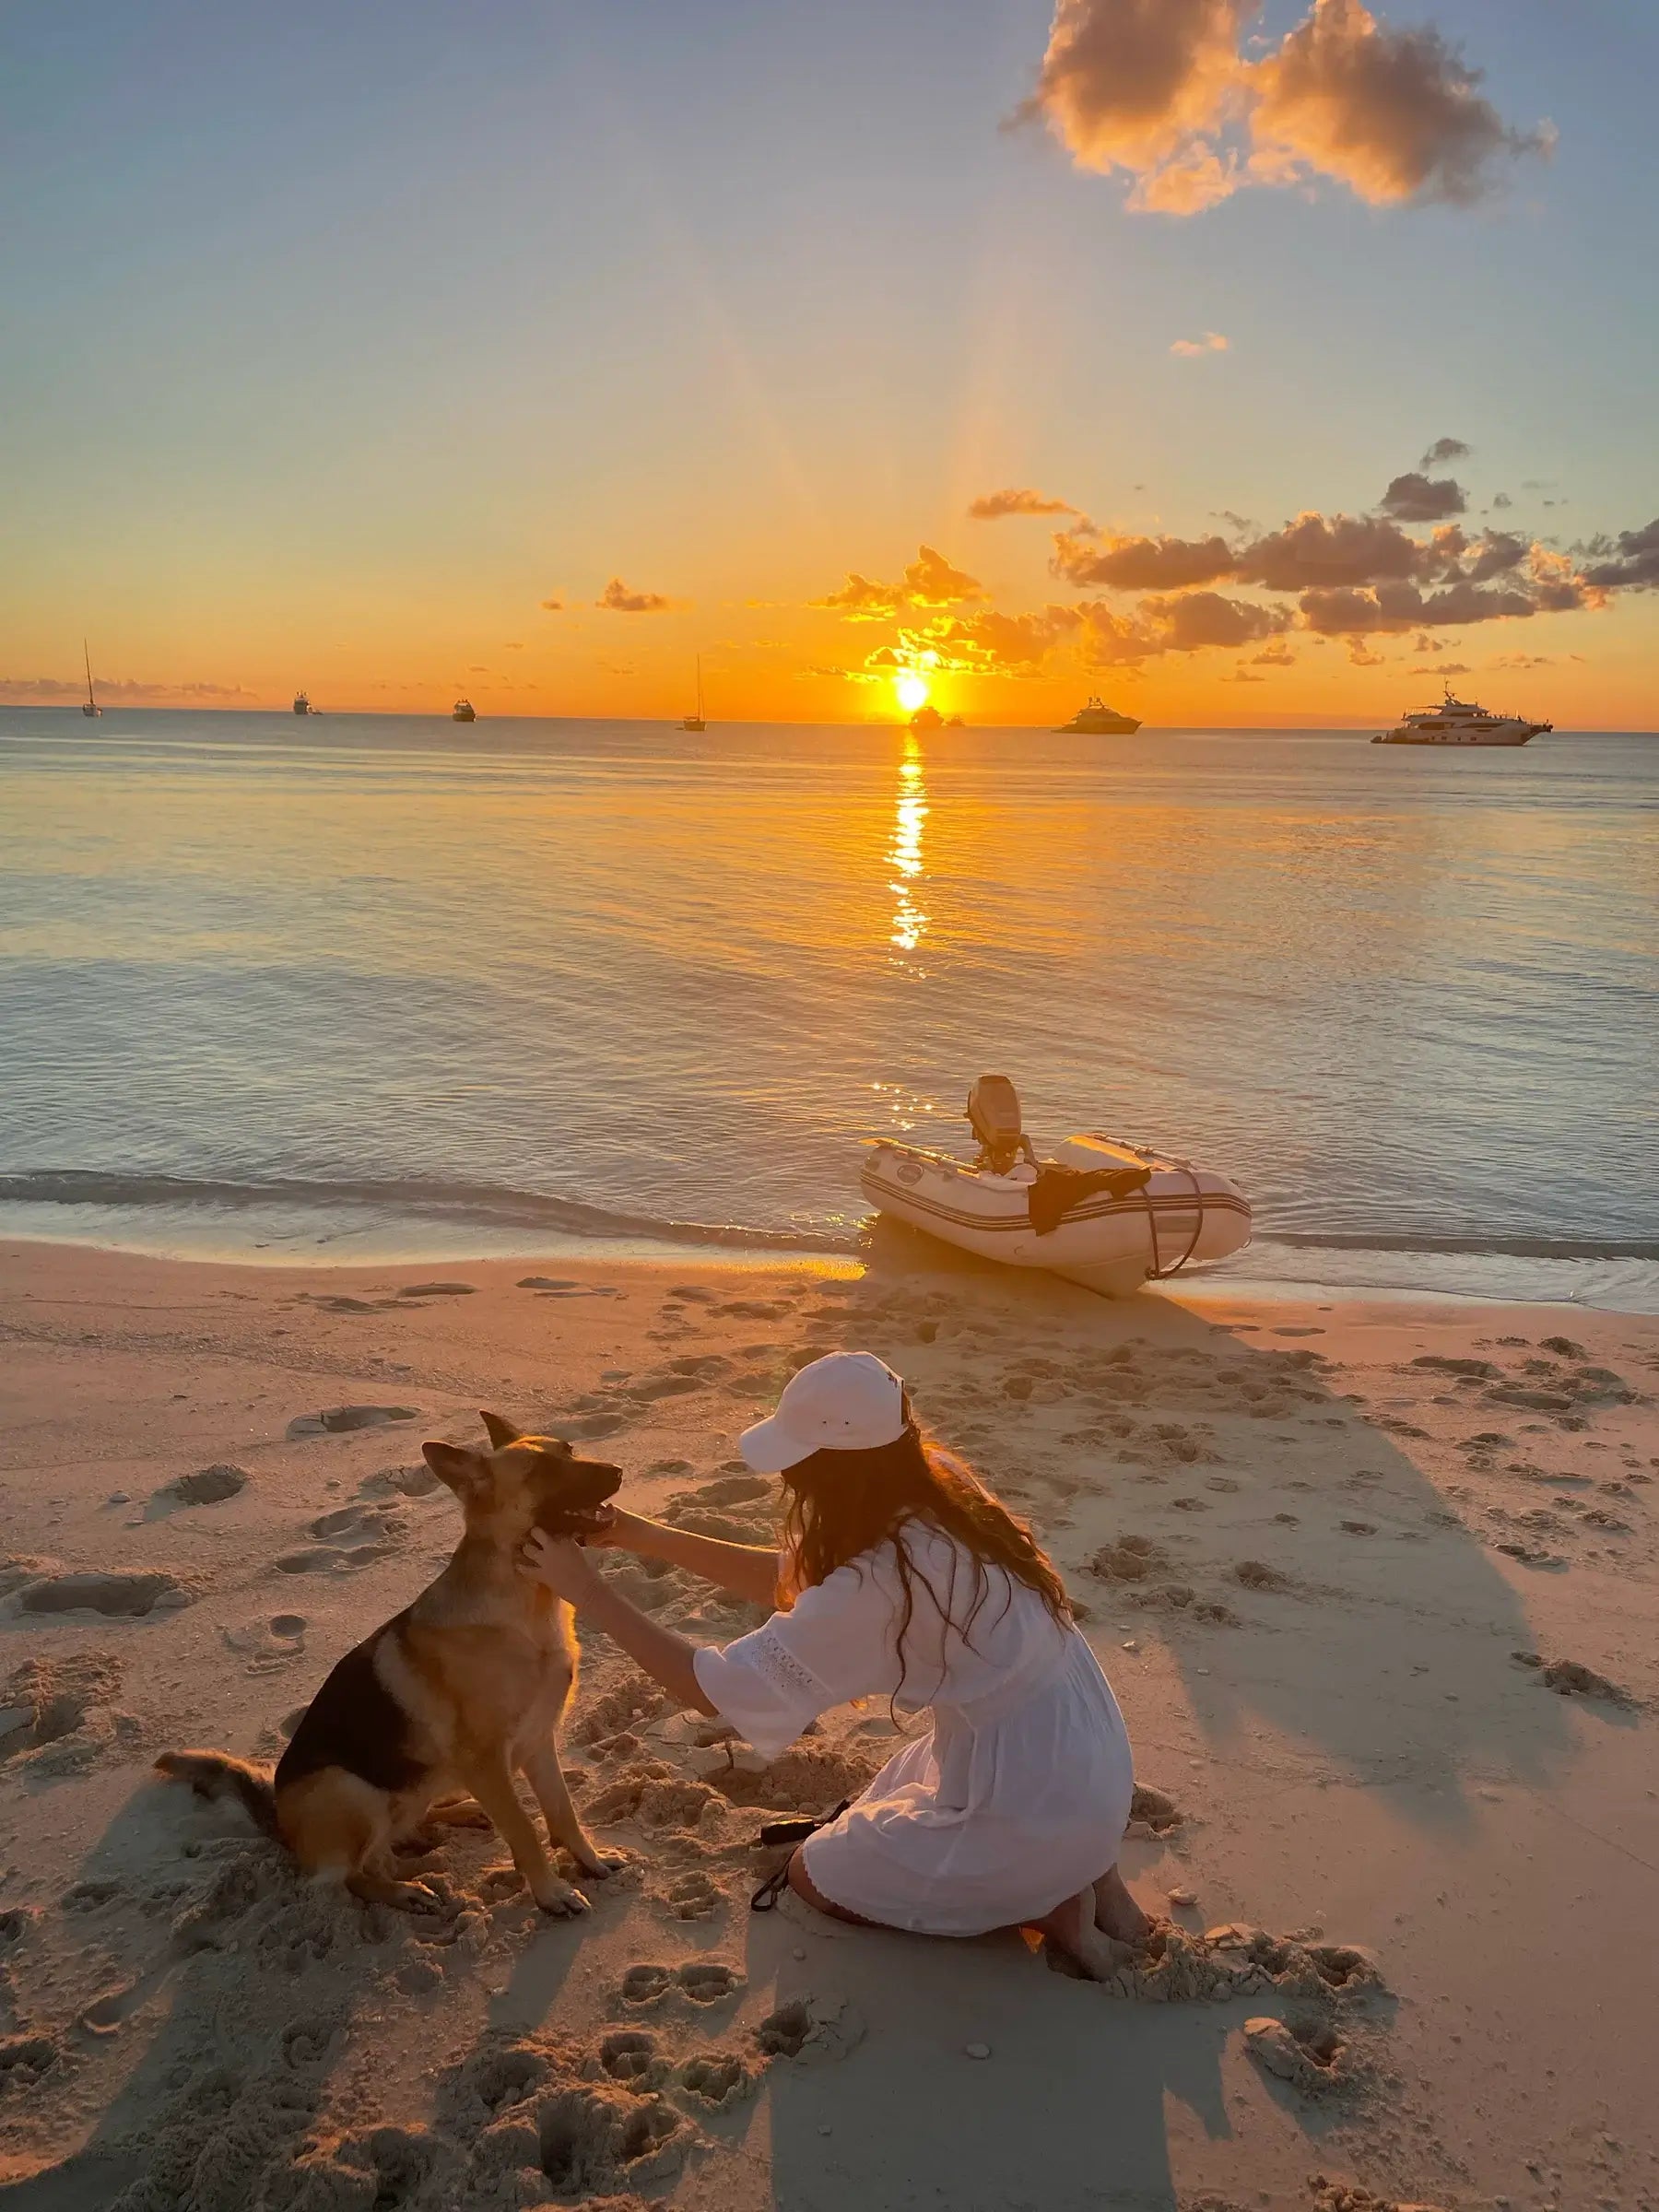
[(1058, 1190)]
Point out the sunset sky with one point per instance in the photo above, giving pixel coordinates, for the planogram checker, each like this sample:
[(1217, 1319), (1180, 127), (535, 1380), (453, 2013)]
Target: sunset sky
[(527, 350)]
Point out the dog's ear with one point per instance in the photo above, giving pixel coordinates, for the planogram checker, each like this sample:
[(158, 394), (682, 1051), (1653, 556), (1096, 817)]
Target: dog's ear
[(502, 1433), (466, 1472)]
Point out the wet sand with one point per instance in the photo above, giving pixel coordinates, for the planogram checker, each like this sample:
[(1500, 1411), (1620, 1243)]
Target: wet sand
[(1406, 1871)]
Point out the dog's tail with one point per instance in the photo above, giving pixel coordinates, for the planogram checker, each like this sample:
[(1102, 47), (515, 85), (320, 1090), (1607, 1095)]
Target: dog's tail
[(214, 1774)]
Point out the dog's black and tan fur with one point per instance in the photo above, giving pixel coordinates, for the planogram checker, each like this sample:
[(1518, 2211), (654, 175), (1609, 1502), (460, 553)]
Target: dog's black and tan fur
[(456, 1694)]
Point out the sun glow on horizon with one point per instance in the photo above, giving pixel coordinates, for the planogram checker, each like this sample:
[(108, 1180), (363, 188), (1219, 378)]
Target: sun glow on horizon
[(911, 689)]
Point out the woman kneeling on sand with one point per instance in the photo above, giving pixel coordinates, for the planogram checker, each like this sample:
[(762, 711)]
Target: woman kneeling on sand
[(901, 1576)]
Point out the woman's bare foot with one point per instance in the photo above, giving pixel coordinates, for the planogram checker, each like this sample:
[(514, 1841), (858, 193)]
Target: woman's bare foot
[(1071, 1928), (1116, 1912)]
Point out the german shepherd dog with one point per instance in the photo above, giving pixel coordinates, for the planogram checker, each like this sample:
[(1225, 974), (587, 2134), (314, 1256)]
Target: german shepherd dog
[(451, 1696)]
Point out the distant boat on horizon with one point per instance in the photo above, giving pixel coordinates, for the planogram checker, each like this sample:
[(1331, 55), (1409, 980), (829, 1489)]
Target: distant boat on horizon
[(1097, 720), (927, 717), (302, 705), (463, 711), (696, 722), (1457, 721), (89, 706), (953, 721)]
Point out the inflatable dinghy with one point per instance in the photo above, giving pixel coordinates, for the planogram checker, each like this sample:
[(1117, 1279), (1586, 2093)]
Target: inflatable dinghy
[(1101, 1212)]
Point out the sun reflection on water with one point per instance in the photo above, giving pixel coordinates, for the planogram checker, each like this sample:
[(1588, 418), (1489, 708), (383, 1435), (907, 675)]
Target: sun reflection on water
[(910, 922)]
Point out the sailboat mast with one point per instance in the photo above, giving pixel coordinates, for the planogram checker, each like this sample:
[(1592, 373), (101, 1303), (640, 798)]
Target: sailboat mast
[(699, 712), (87, 656)]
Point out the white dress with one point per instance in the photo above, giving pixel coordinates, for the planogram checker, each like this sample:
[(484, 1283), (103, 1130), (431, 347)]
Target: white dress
[(1016, 1797)]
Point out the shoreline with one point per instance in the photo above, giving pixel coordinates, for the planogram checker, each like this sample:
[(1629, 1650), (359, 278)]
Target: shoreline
[(1305, 1538), (1622, 1288)]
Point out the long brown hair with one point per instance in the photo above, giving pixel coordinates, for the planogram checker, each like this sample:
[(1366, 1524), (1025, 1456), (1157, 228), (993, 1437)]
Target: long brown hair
[(842, 1505)]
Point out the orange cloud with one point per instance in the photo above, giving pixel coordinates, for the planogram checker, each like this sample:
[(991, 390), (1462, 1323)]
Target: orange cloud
[(861, 599), (992, 506), (620, 600), (1195, 349), (930, 581), (1160, 92), (555, 605)]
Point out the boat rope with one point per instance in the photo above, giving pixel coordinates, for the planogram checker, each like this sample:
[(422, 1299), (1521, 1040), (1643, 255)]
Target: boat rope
[(1157, 1272)]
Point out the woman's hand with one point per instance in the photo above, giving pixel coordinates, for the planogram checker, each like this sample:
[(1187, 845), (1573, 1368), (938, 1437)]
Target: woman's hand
[(559, 1565)]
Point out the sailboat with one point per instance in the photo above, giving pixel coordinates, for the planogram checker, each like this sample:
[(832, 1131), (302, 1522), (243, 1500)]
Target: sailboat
[(90, 706), (694, 721)]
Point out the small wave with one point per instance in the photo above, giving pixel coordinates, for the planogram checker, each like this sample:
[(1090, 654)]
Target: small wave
[(484, 1203), (1472, 1247)]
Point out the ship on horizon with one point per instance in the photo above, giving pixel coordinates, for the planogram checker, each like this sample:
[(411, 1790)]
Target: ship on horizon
[(696, 722), (1459, 721), (302, 704), (464, 710), (89, 706), (1097, 720)]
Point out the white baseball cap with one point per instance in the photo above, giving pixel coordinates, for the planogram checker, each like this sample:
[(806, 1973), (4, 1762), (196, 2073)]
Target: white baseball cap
[(844, 1402)]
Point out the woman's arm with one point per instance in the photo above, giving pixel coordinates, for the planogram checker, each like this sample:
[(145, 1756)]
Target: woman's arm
[(746, 1570), (565, 1569)]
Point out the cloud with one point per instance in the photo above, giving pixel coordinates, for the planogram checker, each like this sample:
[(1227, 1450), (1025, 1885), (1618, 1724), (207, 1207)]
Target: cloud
[(1444, 669), (50, 691), (1242, 676), (1551, 585), (861, 599), (555, 605), (1160, 92), (993, 506), (1414, 497), (1501, 498), (999, 644), (1277, 655), (1200, 618), (620, 600), (1443, 450), (1629, 561), (1317, 551), (1360, 655), (1142, 564), (1190, 348), (930, 581)]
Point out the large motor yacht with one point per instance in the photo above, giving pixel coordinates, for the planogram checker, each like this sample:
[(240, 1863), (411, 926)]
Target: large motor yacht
[(1097, 720), (1456, 722)]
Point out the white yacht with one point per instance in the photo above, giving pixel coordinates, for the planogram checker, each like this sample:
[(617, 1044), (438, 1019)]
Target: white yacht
[(1455, 722)]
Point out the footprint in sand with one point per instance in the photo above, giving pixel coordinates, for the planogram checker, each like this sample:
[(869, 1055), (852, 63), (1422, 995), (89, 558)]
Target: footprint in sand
[(716, 2078), (692, 1896), (349, 1537), (1568, 1678), (340, 1420), (1308, 2055), (267, 1643), (26, 2059), (813, 2030), (209, 1486), (1153, 1814), (630, 2055), (699, 1980), (437, 1290), (130, 1596)]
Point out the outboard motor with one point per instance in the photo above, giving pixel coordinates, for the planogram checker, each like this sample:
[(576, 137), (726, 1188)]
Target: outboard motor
[(993, 1116)]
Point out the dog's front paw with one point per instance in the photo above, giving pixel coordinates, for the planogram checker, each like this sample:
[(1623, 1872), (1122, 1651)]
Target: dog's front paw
[(559, 1898)]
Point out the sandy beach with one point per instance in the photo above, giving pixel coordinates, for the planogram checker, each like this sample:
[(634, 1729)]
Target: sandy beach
[(1308, 1541)]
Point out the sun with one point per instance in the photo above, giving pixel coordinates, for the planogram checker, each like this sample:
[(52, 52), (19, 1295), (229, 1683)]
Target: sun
[(911, 689)]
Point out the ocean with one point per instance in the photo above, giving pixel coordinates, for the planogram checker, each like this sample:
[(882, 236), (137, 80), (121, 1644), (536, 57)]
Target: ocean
[(370, 986)]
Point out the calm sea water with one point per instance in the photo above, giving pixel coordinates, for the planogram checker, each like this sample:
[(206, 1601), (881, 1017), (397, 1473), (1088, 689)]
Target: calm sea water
[(377, 985)]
